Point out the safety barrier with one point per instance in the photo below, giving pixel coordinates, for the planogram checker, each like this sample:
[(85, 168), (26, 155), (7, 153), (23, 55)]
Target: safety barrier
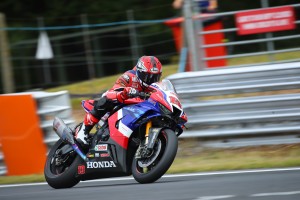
[(45, 107), (51, 105), (241, 102), (216, 51)]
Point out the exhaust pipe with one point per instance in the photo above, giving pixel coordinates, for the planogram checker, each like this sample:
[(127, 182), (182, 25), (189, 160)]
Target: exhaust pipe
[(65, 133)]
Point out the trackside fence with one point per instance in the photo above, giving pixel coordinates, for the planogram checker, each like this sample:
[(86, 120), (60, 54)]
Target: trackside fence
[(269, 44), (228, 104)]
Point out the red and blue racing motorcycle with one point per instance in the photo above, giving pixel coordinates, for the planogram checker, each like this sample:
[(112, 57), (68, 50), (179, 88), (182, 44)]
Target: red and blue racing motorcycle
[(138, 139)]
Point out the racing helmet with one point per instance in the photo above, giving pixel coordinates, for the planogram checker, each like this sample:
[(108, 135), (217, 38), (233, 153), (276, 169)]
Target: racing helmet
[(149, 70)]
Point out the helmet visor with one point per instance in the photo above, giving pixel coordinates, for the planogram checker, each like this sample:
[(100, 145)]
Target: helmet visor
[(149, 78)]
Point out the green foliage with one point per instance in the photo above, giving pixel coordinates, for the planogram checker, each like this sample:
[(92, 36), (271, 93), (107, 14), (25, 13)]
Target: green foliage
[(57, 11), (66, 13)]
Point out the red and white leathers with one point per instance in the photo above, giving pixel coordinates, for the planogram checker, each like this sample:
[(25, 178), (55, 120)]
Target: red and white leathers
[(147, 71), (117, 94), (124, 84)]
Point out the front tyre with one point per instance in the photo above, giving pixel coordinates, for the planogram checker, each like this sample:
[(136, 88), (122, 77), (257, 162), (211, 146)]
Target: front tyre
[(148, 170), (60, 171)]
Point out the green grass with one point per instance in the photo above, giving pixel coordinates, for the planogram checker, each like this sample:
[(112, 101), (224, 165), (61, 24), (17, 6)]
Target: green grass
[(263, 58), (33, 178), (193, 158)]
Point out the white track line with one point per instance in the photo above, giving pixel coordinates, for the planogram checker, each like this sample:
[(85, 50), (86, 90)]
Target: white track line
[(275, 194), (168, 176), (215, 197)]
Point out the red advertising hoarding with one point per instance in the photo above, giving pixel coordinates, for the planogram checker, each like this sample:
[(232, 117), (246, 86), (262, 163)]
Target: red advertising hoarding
[(265, 20)]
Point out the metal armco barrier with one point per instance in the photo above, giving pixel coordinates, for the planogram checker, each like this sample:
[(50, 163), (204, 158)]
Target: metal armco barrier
[(47, 106), (256, 101)]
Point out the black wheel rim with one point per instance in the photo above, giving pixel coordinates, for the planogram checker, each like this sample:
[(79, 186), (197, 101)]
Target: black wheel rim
[(59, 164), (145, 165)]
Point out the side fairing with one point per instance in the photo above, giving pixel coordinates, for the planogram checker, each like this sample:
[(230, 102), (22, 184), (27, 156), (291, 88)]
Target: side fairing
[(123, 122)]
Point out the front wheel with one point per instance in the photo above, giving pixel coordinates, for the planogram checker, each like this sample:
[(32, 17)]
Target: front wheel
[(60, 170), (150, 169)]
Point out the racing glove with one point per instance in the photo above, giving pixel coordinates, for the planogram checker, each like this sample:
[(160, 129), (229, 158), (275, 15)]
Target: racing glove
[(127, 93)]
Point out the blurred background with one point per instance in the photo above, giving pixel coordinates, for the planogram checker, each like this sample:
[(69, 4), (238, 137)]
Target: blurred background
[(96, 39), (243, 89)]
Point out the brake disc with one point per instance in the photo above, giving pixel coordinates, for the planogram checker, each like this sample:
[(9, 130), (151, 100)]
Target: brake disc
[(148, 161)]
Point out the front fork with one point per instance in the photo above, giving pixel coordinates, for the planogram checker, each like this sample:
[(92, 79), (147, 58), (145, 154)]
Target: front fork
[(146, 149), (148, 126)]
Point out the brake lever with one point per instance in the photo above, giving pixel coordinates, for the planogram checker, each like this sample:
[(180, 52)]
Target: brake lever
[(144, 95)]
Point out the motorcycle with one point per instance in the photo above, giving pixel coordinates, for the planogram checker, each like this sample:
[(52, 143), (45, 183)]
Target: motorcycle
[(139, 138)]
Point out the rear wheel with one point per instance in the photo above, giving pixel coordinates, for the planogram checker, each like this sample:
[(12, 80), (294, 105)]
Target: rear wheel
[(150, 169), (61, 169)]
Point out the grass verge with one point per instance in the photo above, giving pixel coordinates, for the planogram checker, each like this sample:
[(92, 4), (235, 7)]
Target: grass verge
[(193, 158)]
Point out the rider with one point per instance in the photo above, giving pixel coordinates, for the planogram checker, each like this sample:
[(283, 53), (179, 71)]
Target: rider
[(147, 71)]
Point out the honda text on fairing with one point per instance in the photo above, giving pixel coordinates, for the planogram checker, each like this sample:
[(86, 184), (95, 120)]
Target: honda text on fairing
[(140, 138)]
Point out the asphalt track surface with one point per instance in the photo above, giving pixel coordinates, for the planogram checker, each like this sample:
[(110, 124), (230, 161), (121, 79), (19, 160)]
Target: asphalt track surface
[(269, 184)]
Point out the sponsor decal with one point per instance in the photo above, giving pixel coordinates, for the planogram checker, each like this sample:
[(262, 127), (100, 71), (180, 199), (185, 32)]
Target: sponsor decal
[(81, 169), (90, 155), (126, 78), (130, 109), (154, 69), (101, 147), (121, 82), (135, 85), (141, 66), (265, 20), (124, 129), (152, 101), (100, 164), (134, 79), (97, 155), (104, 155)]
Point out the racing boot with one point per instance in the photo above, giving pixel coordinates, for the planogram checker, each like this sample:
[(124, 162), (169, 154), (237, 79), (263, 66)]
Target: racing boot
[(82, 133)]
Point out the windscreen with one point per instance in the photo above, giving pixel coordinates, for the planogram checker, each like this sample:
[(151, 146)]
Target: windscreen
[(166, 85)]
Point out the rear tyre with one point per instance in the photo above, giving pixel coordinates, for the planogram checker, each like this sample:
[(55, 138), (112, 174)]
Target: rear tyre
[(61, 172), (151, 169)]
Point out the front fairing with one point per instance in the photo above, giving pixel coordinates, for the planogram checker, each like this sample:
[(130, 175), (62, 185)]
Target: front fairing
[(133, 113), (128, 119), (166, 95)]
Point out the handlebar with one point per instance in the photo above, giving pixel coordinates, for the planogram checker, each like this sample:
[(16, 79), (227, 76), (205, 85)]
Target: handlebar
[(137, 98), (143, 95)]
